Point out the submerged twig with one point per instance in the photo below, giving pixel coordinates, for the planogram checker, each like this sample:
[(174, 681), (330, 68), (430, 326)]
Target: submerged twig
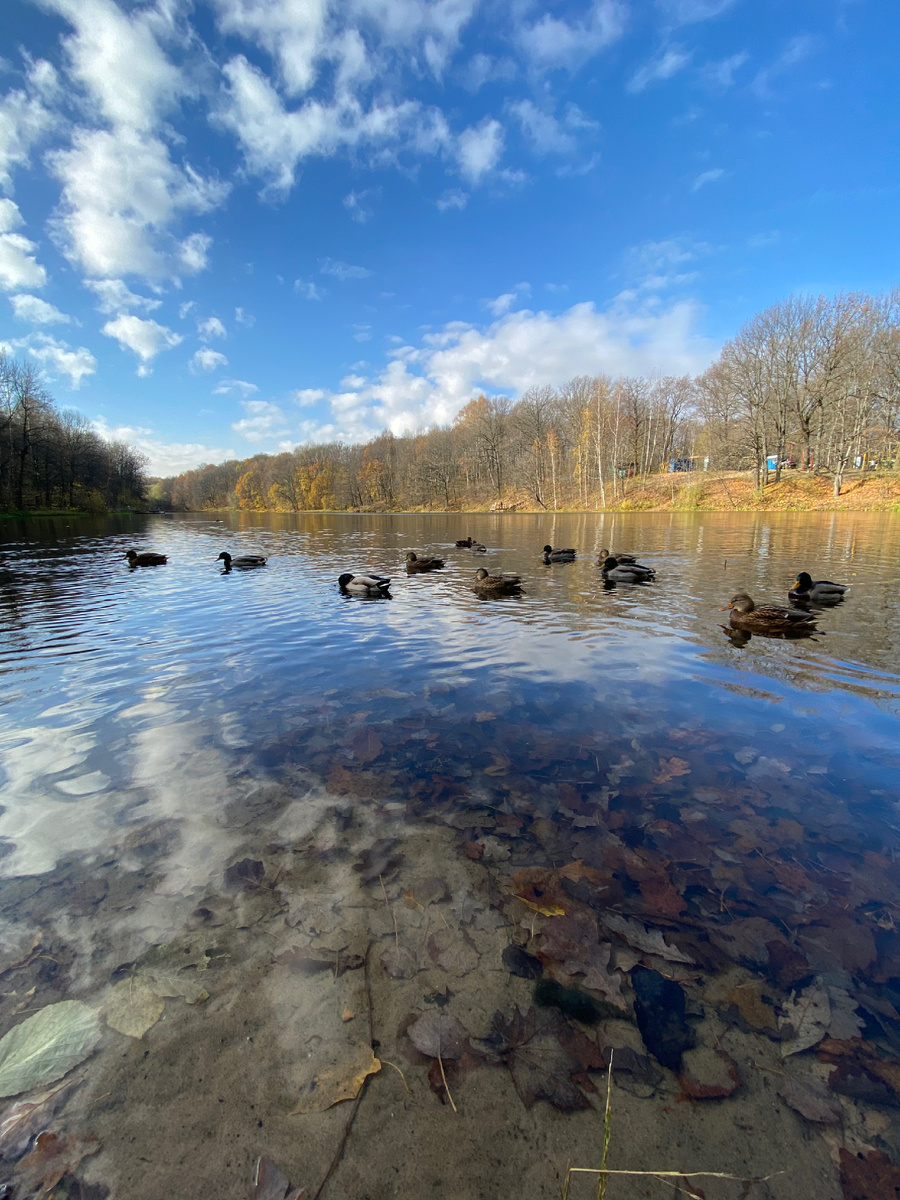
[(446, 1085), (387, 1063), (390, 909)]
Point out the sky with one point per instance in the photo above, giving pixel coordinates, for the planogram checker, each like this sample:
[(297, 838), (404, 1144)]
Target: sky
[(234, 226)]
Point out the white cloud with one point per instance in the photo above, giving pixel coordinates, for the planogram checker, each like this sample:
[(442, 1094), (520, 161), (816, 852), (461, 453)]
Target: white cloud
[(207, 360), (542, 129), (362, 333), (307, 289), (796, 50), (114, 296), (482, 69), (244, 318), (146, 338), (291, 32), (211, 328), (667, 63), (55, 357), (653, 266), (263, 420), (18, 266), (430, 384), (452, 199), (163, 458), (688, 12), (37, 311), (502, 304), (306, 397), (120, 194), (705, 177), (720, 74), (479, 149), (356, 206), (25, 118), (553, 42), (342, 270), (235, 385)]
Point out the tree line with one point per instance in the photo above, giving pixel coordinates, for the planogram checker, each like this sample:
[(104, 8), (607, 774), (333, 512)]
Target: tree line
[(52, 458), (810, 383)]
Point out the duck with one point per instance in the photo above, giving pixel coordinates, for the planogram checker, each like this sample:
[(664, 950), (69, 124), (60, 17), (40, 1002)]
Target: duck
[(364, 585), (618, 572), (465, 543), (414, 563), (549, 555), (243, 562), (621, 559), (769, 619), (496, 585), (148, 559), (823, 591)]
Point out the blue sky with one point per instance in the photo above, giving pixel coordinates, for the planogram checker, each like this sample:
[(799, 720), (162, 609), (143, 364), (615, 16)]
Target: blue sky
[(239, 225)]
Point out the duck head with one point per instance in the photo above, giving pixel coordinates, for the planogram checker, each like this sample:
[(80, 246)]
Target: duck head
[(803, 582), (344, 579), (741, 603), (609, 563), (412, 557), (225, 557), (481, 573)]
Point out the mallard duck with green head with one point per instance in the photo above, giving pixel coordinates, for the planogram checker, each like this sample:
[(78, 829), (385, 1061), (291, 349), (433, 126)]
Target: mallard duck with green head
[(612, 569), (822, 591), (364, 585), (244, 562)]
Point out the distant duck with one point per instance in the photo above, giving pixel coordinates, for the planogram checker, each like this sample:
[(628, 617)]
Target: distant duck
[(769, 619), (364, 585), (243, 562), (618, 572), (414, 563), (496, 585), (549, 555), (466, 543), (147, 559), (805, 591), (620, 558), (470, 544)]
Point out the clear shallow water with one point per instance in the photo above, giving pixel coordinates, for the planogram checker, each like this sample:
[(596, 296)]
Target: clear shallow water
[(159, 724)]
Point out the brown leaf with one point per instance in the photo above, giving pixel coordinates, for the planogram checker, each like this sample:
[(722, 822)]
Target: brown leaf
[(671, 768), (53, 1156), (453, 952), (379, 859), (573, 943), (306, 961), (248, 873), (661, 898), (339, 1083), (27, 1117), (869, 1176), (583, 1049), (809, 1096), (438, 1035), (541, 1068), (754, 1011), (473, 850), (270, 1184), (366, 745)]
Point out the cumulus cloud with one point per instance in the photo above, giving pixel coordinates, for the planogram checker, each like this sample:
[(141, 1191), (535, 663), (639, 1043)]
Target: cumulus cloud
[(57, 359), (211, 328), (227, 386), (429, 384), (667, 63), (26, 118), (341, 270), (18, 266), (502, 304), (479, 149), (244, 318), (263, 420), (453, 198), (207, 360), (306, 397), (144, 337), (654, 266), (37, 311), (114, 296), (163, 458), (555, 42)]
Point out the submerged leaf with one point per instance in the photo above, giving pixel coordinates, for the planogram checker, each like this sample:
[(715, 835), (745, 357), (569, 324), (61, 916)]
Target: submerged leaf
[(438, 1035), (651, 941), (340, 1083), (53, 1156), (270, 1184), (806, 1019), (132, 1007), (44, 1047)]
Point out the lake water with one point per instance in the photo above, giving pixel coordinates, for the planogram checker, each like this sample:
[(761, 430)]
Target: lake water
[(223, 793)]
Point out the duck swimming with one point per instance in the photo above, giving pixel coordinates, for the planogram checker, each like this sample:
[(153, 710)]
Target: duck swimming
[(496, 585), (364, 585), (549, 555), (243, 562), (769, 619), (148, 559), (805, 591), (414, 563), (618, 572), (621, 559)]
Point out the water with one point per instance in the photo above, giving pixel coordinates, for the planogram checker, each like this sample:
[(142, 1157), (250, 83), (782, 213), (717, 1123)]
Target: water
[(411, 774)]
